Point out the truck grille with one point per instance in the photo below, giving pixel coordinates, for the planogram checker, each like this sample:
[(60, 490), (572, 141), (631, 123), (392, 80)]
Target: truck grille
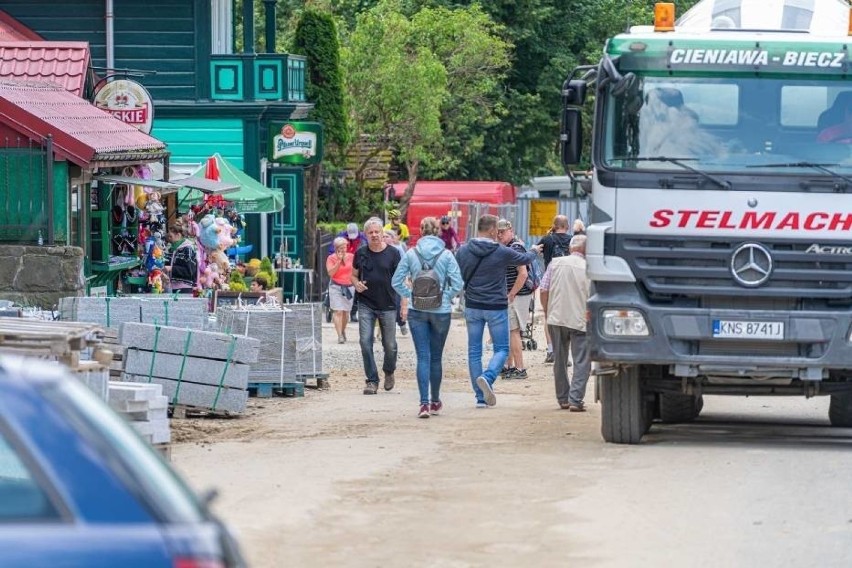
[(701, 268)]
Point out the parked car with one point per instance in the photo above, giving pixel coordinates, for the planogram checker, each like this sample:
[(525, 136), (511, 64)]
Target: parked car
[(78, 487)]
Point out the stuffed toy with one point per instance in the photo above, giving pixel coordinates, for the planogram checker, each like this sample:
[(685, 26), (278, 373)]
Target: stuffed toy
[(155, 281)]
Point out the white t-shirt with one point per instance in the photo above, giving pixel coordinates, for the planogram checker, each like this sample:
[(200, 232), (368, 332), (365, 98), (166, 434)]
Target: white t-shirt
[(568, 292)]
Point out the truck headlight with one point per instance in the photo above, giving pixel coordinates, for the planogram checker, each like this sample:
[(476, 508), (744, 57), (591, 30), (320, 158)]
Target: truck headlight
[(624, 323)]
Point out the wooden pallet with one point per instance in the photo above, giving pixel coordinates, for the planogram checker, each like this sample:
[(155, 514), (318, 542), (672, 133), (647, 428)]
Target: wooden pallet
[(320, 378), (267, 390), (183, 411)]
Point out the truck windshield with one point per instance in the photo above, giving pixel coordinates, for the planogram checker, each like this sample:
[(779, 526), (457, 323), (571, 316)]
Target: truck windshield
[(744, 125)]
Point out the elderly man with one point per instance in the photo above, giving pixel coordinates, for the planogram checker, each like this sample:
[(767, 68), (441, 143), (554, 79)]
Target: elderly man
[(483, 263), (372, 271), (564, 294)]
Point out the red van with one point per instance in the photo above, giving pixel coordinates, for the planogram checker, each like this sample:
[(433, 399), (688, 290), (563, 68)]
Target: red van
[(438, 198)]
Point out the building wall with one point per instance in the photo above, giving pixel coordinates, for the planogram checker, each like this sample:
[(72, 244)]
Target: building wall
[(153, 35), (193, 140)]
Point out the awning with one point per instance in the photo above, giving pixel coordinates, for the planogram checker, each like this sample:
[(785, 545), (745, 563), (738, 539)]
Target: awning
[(167, 187), (163, 186), (252, 196)]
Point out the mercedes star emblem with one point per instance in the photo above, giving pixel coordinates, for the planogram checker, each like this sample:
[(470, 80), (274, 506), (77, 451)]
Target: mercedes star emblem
[(751, 265)]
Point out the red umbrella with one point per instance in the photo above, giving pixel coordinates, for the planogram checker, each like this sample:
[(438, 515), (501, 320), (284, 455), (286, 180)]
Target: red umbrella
[(212, 171)]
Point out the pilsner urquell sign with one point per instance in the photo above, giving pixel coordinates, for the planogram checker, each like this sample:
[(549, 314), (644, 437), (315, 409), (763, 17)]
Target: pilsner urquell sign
[(296, 143)]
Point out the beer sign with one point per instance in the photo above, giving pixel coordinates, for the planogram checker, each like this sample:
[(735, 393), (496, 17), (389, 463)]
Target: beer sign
[(295, 143), (128, 101)]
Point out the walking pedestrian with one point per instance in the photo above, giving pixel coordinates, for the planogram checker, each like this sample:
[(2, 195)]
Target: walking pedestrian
[(428, 315), (355, 239), (554, 245), (481, 260), (392, 239), (565, 292), (448, 234), (372, 270), (519, 297), (341, 294)]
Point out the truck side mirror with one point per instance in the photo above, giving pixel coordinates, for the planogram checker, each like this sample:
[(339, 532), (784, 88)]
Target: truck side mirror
[(571, 138), (573, 92)]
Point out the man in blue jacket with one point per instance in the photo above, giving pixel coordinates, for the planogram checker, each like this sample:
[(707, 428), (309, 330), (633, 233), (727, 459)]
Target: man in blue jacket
[(483, 262)]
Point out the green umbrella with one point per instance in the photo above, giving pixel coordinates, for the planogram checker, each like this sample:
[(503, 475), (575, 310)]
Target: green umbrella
[(252, 197)]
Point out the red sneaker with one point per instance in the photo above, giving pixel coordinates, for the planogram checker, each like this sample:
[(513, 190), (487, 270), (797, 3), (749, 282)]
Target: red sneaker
[(435, 408), (424, 411)]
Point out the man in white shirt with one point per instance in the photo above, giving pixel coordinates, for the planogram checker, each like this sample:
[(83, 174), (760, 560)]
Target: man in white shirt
[(564, 293)]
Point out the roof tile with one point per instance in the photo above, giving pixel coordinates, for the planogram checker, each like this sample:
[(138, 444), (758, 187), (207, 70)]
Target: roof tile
[(62, 62), (86, 131)]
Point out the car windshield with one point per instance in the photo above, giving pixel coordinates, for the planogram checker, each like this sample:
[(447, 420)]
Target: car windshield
[(171, 500), (733, 125)]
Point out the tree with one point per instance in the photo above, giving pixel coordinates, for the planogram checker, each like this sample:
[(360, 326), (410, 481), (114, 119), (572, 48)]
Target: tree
[(396, 87), (426, 86), (316, 39)]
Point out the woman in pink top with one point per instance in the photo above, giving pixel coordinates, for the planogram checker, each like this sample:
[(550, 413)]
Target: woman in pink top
[(340, 289)]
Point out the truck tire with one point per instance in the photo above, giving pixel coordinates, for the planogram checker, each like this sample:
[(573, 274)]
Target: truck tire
[(624, 413), (676, 408), (840, 410)]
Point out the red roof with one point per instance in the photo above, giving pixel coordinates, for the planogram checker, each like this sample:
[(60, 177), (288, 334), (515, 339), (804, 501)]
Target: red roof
[(81, 132), (13, 30), (62, 62), (439, 191)]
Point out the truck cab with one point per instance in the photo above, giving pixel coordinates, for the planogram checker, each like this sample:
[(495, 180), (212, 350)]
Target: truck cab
[(720, 236)]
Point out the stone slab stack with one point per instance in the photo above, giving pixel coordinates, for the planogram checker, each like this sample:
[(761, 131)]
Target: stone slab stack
[(110, 313), (198, 369), (290, 340), (145, 407)]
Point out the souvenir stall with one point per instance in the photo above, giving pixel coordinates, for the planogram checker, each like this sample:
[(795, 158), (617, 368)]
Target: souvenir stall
[(129, 220)]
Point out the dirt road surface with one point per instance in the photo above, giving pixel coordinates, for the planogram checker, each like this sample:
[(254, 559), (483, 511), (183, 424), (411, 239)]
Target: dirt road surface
[(341, 479)]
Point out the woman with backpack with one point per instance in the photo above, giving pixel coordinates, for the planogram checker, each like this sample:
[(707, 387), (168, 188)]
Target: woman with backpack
[(429, 276)]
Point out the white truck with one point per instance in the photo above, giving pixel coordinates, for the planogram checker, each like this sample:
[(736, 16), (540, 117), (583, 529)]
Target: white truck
[(720, 235)]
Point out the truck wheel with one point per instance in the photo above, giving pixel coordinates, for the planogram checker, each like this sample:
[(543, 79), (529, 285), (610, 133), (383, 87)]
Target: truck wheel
[(840, 410), (624, 417), (676, 408)]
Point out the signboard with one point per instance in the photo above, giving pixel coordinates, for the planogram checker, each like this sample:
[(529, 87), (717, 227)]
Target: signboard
[(128, 101), (295, 143), (542, 212)]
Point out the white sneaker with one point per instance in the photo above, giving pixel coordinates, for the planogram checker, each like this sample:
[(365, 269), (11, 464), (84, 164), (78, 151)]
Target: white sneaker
[(487, 391)]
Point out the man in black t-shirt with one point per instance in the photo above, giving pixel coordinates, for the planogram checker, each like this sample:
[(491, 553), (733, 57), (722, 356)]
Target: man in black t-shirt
[(372, 271), (555, 244)]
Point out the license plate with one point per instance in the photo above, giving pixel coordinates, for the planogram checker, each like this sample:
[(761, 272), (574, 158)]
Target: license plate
[(748, 329)]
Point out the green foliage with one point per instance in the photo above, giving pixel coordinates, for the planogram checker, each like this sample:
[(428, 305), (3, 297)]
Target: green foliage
[(236, 282), (316, 38), (266, 268), (344, 204)]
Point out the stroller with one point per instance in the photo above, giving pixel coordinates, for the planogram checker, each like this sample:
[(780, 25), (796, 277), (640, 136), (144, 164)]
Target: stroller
[(528, 343)]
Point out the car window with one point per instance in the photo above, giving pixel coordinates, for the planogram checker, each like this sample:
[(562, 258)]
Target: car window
[(21, 497), (166, 494)]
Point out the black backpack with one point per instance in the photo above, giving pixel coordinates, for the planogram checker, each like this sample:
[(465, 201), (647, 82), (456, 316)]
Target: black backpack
[(427, 292)]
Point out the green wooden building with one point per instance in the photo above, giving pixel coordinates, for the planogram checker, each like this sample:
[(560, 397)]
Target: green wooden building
[(206, 98)]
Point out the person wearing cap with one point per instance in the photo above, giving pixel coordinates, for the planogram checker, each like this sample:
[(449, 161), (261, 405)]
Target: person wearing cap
[(397, 225), (519, 294), (487, 303), (355, 239), (448, 234)]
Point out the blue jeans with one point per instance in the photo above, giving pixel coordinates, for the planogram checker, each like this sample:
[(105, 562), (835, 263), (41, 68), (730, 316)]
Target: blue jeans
[(429, 331), (498, 327), (366, 325)]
